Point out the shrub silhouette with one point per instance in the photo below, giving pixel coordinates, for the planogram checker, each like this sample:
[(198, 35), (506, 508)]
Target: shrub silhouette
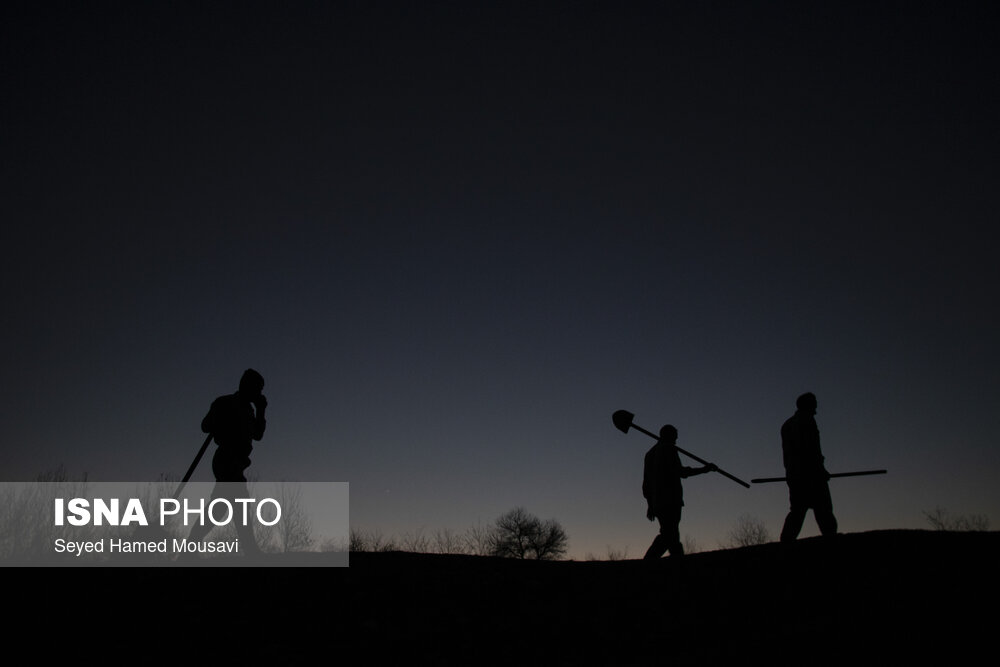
[(520, 534), (940, 519), (747, 531)]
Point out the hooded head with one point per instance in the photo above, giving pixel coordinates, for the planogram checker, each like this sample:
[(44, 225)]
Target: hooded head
[(252, 383)]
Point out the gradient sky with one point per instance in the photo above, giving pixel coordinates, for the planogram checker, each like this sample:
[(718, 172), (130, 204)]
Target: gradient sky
[(455, 237)]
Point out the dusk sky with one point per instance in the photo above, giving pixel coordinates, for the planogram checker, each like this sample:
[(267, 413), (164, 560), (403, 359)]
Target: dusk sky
[(456, 237)]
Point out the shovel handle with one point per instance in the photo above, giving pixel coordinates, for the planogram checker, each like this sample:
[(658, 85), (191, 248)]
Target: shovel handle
[(194, 464), (765, 480), (699, 460)]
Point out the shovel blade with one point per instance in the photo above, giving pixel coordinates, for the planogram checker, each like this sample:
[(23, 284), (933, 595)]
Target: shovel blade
[(623, 420)]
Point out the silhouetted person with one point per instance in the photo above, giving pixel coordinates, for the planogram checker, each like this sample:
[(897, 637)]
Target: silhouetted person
[(235, 421), (661, 487), (807, 477)]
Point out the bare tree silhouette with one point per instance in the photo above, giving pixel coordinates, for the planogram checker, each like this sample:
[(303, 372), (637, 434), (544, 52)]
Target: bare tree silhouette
[(940, 519), (447, 541), (520, 534), (611, 554), (26, 529), (294, 531), (371, 540), (477, 539), (747, 531)]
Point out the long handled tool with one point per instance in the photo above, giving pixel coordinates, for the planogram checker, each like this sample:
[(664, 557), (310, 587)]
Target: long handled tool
[(623, 422), (194, 464), (764, 480)]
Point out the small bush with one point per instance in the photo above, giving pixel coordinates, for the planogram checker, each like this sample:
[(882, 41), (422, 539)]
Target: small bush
[(940, 519)]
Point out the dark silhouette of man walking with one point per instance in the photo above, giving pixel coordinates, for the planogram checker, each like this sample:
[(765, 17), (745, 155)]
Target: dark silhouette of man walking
[(807, 478), (661, 487), (235, 420)]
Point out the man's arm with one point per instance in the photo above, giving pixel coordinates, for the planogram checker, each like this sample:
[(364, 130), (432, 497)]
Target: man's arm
[(647, 484), (208, 423), (691, 472), (260, 423)]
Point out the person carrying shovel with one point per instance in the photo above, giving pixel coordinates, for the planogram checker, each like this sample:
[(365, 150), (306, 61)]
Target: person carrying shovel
[(661, 487), (235, 421), (661, 483)]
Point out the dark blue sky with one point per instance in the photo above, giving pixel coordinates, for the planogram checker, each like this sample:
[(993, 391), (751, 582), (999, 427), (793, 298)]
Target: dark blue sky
[(455, 238)]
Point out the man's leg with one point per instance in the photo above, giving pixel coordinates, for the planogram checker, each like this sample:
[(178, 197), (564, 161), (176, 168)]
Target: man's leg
[(244, 532), (793, 524), (668, 537), (657, 548), (672, 530), (200, 530), (230, 491), (823, 511), (796, 513)]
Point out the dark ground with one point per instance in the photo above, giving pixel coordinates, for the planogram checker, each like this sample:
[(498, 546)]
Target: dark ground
[(884, 596)]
